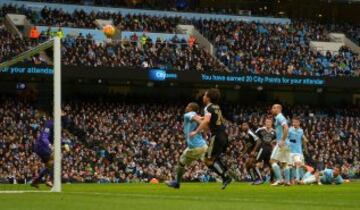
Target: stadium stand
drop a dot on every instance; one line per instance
(173, 55)
(257, 48)
(244, 47)
(131, 141)
(81, 19)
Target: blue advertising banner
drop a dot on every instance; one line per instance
(256, 79)
(27, 70)
(161, 75)
(195, 77)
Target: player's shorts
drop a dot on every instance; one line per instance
(296, 157)
(264, 154)
(193, 154)
(307, 175)
(281, 154)
(45, 157)
(309, 178)
(218, 145)
(44, 154)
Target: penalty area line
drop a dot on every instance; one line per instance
(22, 191)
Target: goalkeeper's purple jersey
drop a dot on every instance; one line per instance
(42, 144)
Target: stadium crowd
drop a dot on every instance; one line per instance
(142, 52)
(80, 19)
(169, 5)
(254, 48)
(258, 48)
(11, 45)
(135, 142)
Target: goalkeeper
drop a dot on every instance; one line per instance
(44, 149)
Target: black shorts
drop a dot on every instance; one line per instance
(218, 145)
(44, 155)
(264, 153)
(45, 158)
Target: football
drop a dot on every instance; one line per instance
(109, 31)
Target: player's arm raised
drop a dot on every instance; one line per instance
(203, 125)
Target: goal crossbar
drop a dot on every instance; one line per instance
(28, 54)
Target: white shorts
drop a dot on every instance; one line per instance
(310, 179)
(191, 155)
(281, 154)
(296, 157)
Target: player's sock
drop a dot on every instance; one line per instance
(292, 174)
(42, 173)
(272, 176)
(297, 174)
(277, 172)
(287, 174)
(51, 173)
(258, 173)
(220, 169)
(252, 174)
(302, 172)
(180, 170)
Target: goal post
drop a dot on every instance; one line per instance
(55, 44)
(57, 115)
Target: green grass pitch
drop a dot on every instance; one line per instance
(191, 196)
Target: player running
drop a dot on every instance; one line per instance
(267, 136)
(219, 139)
(196, 146)
(296, 139)
(250, 140)
(281, 153)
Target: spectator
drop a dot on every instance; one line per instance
(244, 47)
(191, 41)
(173, 55)
(34, 33)
(60, 33)
(131, 142)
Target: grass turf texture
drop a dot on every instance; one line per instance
(194, 196)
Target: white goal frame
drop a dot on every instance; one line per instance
(57, 115)
(56, 44)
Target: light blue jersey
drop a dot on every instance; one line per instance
(280, 120)
(328, 177)
(295, 139)
(189, 126)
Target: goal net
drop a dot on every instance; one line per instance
(25, 127)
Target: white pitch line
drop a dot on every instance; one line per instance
(23, 191)
(196, 198)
